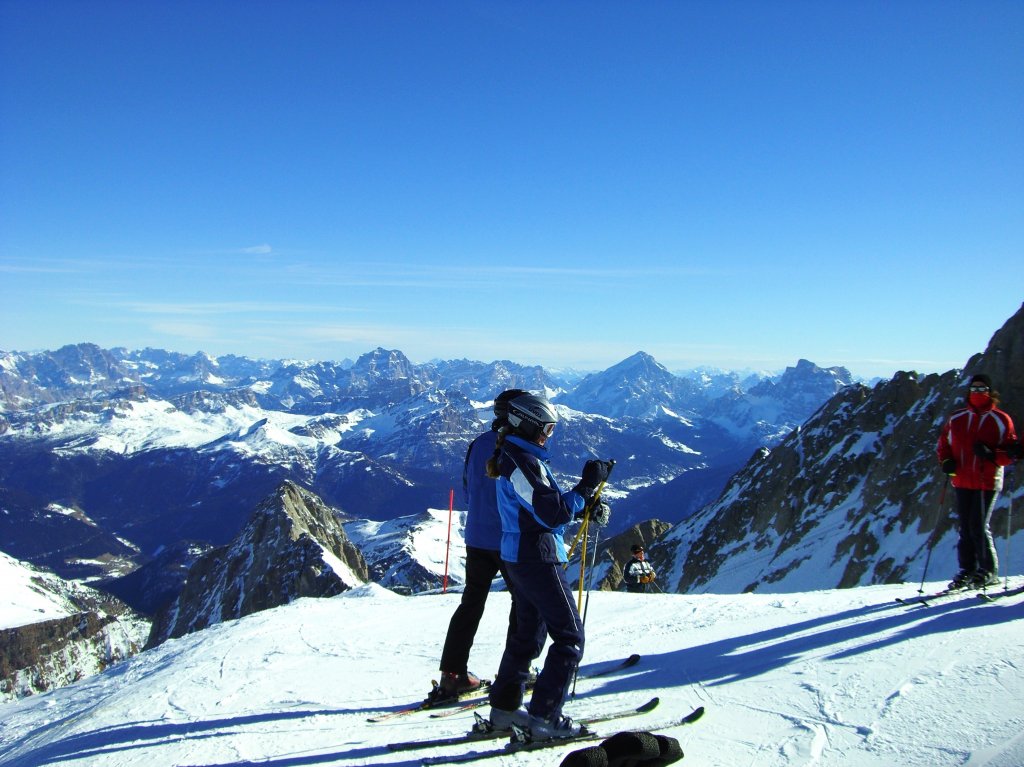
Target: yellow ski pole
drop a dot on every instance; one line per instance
(583, 556)
(584, 530)
(586, 513)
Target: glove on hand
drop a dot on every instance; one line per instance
(984, 451)
(949, 466)
(600, 514)
(1016, 450)
(594, 473)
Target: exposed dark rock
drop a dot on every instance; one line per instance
(836, 493)
(293, 546)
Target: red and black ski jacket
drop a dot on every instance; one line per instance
(962, 431)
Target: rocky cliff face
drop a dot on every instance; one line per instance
(293, 546)
(54, 653)
(853, 497)
(55, 631)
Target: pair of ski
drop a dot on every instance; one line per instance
(625, 663)
(472, 701)
(520, 740)
(992, 596)
(925, 600)
(435, 701)
(483, 730)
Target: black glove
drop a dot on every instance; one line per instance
(600, 514)
(1016, 450)
(984, 451)
(949, 466)
(594, 473)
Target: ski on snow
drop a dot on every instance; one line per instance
(451, 707)
(429, 703)
(632, 660)
(924, 600)
(993, 596)
(482, 729)
(517, 746)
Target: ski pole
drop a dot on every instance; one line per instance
(448, 544)
(586, 607)
(585, 529)
(586, 514)
(590, 575)
(587, 509)
(931, 542)
(1009, 516)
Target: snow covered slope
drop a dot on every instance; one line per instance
(846, 678)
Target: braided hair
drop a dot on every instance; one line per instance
(494, 460)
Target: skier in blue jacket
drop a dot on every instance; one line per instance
(534, 513)
(483, 558)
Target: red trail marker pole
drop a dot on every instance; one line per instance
(448, 545)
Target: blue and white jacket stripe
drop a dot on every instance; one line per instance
(534, 512)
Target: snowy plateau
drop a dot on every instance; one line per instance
(848, 678)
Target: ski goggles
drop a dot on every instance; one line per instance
(547, 429)
(979, 387)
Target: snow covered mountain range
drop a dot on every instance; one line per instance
(109, 457)
(849, 498)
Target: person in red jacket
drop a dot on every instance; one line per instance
(972, 451)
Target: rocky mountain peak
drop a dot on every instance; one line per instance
(1001, 361)
(806, 380)
(638, 386)
(385, 363)
(293, 546)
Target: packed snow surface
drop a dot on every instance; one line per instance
(845, 677)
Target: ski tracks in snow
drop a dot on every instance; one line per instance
(837, 712)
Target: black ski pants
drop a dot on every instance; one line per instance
(481, 567)
(544, 607)
(975, 549)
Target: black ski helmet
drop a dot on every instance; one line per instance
(531, 414)
(501, 403)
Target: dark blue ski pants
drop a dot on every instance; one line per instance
(544, 608)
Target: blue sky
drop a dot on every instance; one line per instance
(736, 184)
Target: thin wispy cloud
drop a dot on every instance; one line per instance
(447, 277)
(18, 269)
(249, 250)
(188, 330)
(231, 307)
